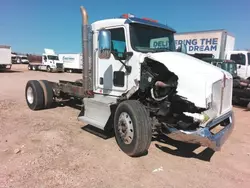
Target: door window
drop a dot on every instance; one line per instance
(118, 48)
(118, 43)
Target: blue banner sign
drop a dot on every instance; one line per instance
(199, 45)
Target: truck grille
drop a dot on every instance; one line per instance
(222, 97)
(59, 65)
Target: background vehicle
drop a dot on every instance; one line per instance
(13, 58)
(211, 43)
(50, 62)
(139, 85)
(218, 44)
(241, 87)
(242, 59)
(227, 65)
(71, 62)
(22, 59)
(5, 57)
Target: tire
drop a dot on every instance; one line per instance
(137, 118)
(34, 68)
(29, 67)
(48, 93)
(248, 106)
(79, 81)
(48, 69)
(34, 95)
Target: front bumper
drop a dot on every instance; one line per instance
(204, 136)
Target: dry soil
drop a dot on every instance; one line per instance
(49, 148)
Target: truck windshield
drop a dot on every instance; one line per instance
(230, 67)
(52, 57)
(24, 58)
(151, 39)
(239, 58)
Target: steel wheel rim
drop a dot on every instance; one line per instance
(30, 95)
(125, 128)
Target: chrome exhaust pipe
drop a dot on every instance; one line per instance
(85, 47)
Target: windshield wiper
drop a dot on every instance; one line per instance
(161, 50)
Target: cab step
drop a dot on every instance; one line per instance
(98, 132)
(97, 111)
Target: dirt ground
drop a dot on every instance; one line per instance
(49, 148)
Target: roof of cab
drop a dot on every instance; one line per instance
(120, 21)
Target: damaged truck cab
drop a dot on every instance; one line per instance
(137, 83)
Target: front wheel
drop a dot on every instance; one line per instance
(48, 69)
(132, 127)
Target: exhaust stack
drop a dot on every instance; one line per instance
(85, 49)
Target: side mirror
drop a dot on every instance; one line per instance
(104, 44)
(182, 48)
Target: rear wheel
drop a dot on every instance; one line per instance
(34, 95)
(133, 131)
(48, 93)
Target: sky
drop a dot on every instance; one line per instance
(29, 26)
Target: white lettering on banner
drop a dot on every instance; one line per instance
(205, 44)
(159, 42)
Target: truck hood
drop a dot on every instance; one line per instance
(195, 77)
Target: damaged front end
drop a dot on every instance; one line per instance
(180, 119)
(212, 135)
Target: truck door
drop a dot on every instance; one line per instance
(241, 62)
(111, 76)
(44, 60)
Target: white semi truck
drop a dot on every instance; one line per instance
(134, 87)
(71, 62)
(242, 59)
(5, 57)
(50, 62)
